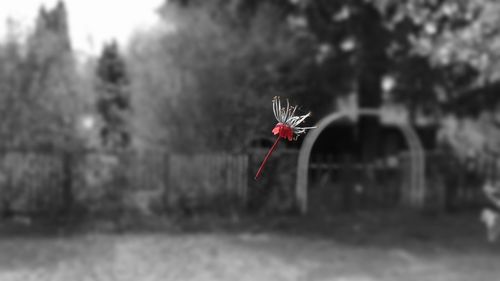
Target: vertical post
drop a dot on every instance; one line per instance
(67, 181)
(166, 178)
(244, 179)
(304, 155)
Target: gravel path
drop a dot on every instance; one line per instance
(222, 257)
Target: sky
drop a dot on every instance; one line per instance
(91, 22)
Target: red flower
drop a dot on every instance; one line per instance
(287, 127)
(283, 131)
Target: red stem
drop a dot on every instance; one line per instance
(259, 172)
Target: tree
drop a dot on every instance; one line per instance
(314, 52)
(355, 40)
(113, 103)
(211, 78)
(39, 97)
(430, 48)
(40, 102)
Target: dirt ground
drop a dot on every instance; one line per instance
(355, 248)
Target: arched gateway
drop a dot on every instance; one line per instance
(414, 197)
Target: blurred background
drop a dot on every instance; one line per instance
(131, 132)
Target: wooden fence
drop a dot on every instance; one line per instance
(455, 184)
(450, 184)
(200, 181)
(38, 182)
(31, 182)
(347, 185)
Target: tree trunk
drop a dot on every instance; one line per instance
(372, 64)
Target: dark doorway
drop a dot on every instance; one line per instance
(340, 181)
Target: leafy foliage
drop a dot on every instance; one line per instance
(113, 102)
(39, 101)
(209, 80)
(214, 64)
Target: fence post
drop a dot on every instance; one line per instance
(67, 181)
(167, 184)
(406, 186)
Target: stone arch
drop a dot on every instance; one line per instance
(416, 193)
